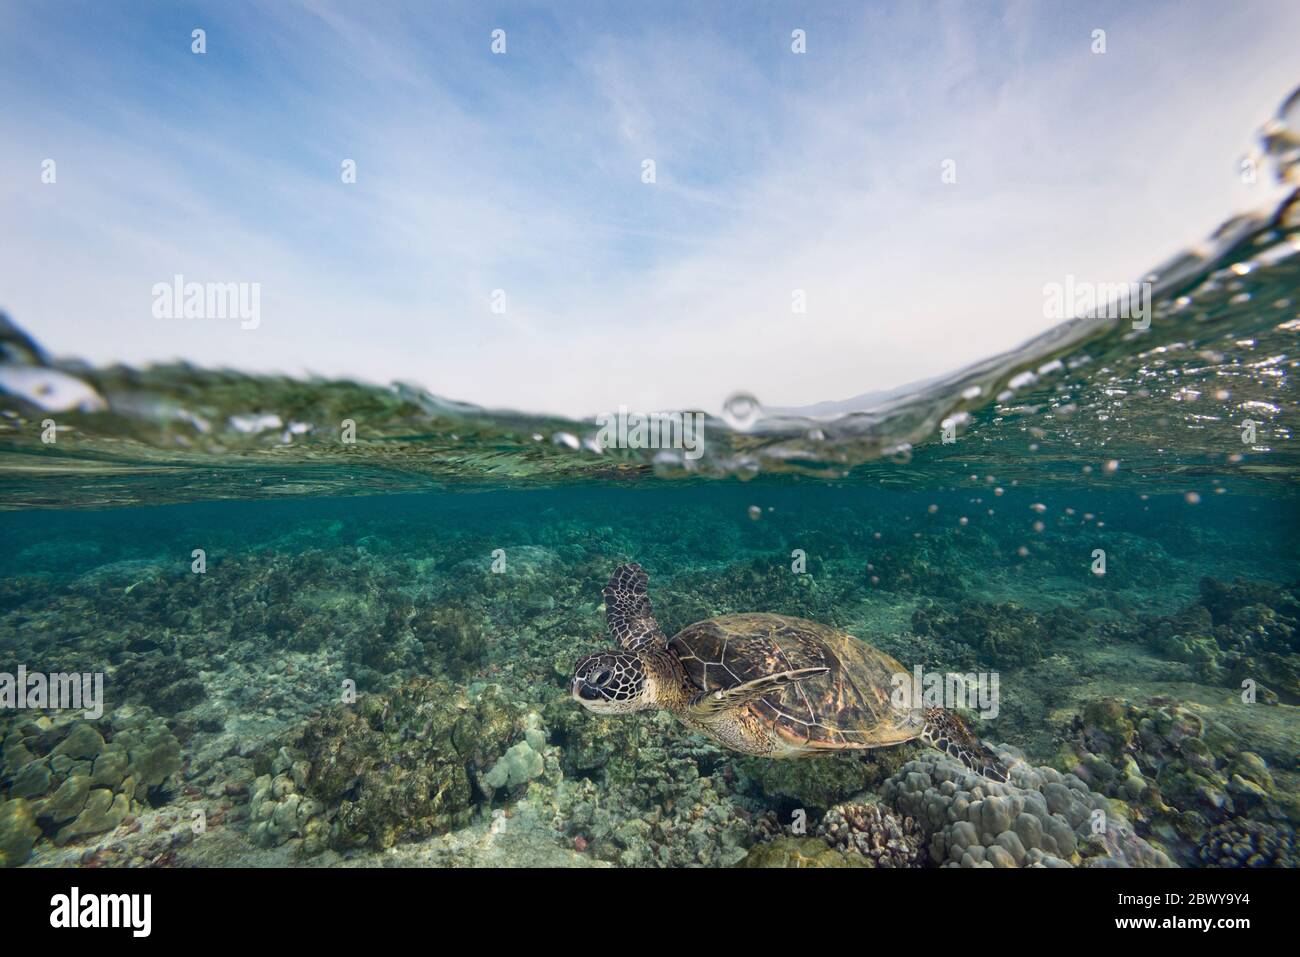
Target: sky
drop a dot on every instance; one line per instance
(524, 172)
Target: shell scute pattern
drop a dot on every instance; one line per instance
(850, 707)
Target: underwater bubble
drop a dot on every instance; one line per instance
(1192, 498)
(900, 454)
(755, 513)
(1112, 466)
(745, 467)
(1023, 551)
(567, 439)
(741, 410)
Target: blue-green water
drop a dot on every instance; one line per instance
(315, 650)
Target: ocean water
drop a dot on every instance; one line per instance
(336, 624)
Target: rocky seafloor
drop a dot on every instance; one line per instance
(370, 692)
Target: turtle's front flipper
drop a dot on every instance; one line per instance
(628, 614)
(714, 702)
(947, 732)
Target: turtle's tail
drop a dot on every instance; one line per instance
(948, 732)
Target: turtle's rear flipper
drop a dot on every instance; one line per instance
(947, 732)
(715, 702)
(628, 614)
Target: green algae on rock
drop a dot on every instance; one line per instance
(1181, 774)
(393, 767)
(800, 852)
(1247, 631)
(72, 778)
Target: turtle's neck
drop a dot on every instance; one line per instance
(673, 689)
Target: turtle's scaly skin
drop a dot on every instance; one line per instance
(848, 709)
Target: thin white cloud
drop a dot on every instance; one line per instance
(774, 174)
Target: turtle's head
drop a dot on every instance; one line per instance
(614, 682)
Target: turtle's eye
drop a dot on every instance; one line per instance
(601, 677)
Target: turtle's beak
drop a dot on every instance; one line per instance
(584, 692)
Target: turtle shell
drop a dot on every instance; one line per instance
(848, 708)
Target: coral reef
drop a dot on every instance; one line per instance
(396, 766)
(464, 746)
(66, 778)
(1180, 774)
(1244, 631)
(167, 684)
(1249, 844)
(800, 852)
(1004, 635)
(818, 784)
(879, 837)
(1041, 818)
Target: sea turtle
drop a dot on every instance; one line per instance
(763, 684)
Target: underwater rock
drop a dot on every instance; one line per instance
(1180, 773)
(1224, 600)
(1041, 818)
(882, 839)
(18, 832)
(165, 683)
(76, 778)
(1245, 631)
(672, 801)
(590, 741)
(521, 764)
(1005, 635)
(392, 767)
(1249, 844)
(800, 852)
(822, 782)
(103, 811)
(742, 587)
(83, 741)
(452, 636)
(279, 811)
